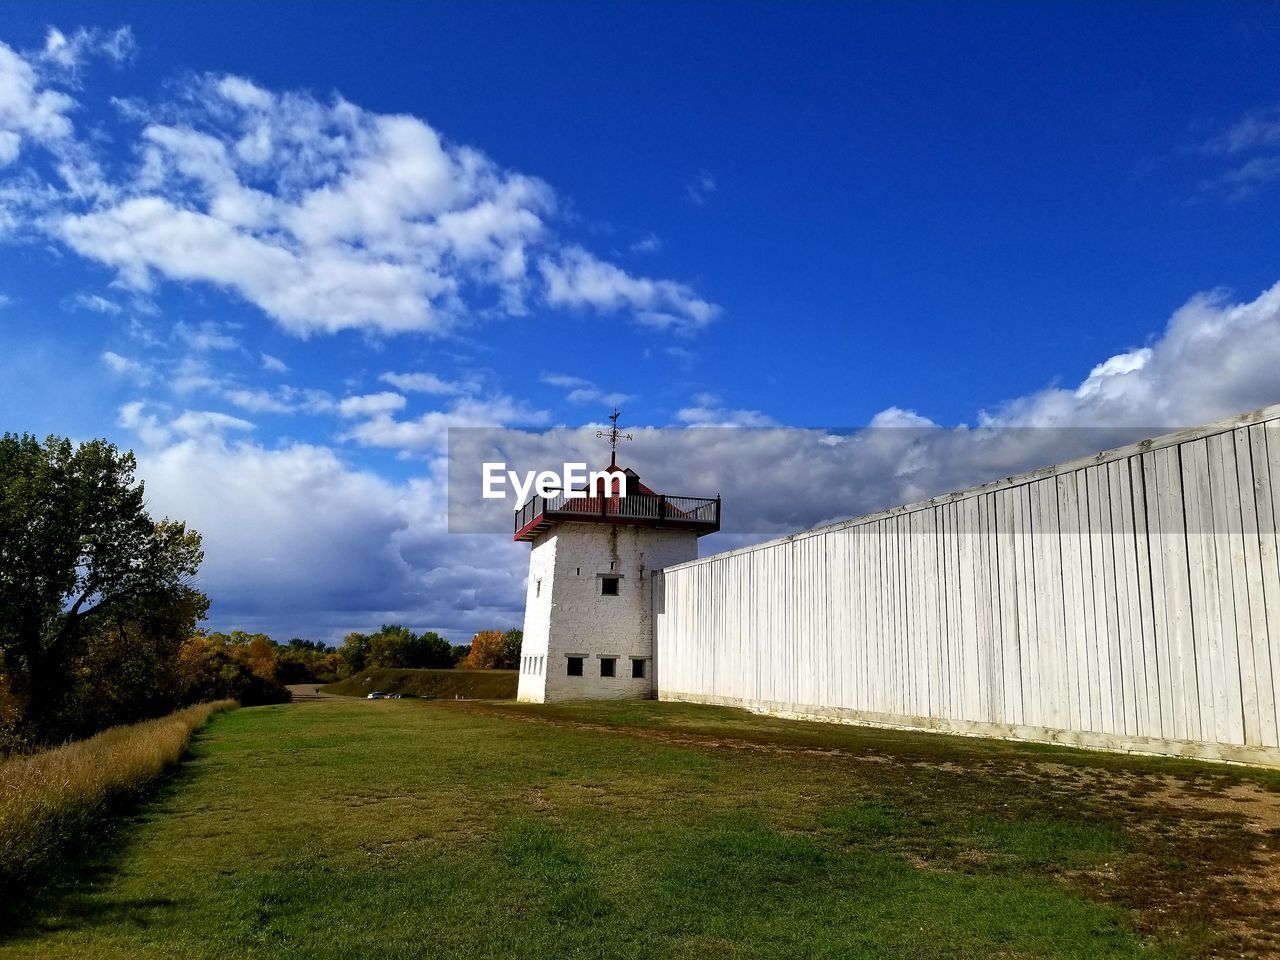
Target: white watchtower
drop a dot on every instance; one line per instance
(588, 617)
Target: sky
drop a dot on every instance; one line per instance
(281, 250)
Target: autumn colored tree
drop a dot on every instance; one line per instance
(494, 650)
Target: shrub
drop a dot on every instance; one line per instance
(51, 800)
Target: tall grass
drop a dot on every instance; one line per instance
(53, 799)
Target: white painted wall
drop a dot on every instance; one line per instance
(1127, 601)
(568, 615)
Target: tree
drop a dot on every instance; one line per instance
(77, 548)
(399, 647)
(355, 651)
(392, 646)
(494, 650)
(509, 654)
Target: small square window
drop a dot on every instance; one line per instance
(609, 586)
(575, 666)
(608, 666)
(637, 669)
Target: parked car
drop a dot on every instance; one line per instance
(376, 695)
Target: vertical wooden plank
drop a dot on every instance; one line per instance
(1258, 693)
(1267, 487)
(1228, 543)
(1206, 605)
(1269, 543)
(1128, 618)
(1150, 720)
(1073, 603)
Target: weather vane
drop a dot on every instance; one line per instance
(614, 436)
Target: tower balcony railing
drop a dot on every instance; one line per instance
(701, 514)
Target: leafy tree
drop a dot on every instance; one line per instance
(355, 651)
(398, 647)
(128, 668)
(494, 650)
(434, 651)
(214, 667)
(77, 550)
(509, 653)
(392, 646)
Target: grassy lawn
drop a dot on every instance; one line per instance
(339, 829)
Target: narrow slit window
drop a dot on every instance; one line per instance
(609, 586)
(575, 666)
(608, 666)
(537, 588)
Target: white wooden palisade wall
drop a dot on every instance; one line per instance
(1128, 601)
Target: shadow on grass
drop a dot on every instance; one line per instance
(65, 894)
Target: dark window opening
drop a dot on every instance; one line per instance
(575, 666)
(609, 586)
(537, 592)
(637, 669)
(608, 666)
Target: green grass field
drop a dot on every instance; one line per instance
(441, 684)
(339, 829)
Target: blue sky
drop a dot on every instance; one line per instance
(280, 249)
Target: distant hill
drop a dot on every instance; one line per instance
(442, 684)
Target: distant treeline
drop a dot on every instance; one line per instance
(397, 647)
(99, 620)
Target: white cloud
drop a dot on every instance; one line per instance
(300, 543)
(97, 303)
(125, 366)
(70, 52)
(576, 278)
(28, 110)
(584, 391)
(429, 430)
(202, 423)
(707, 411)
(205, 336)
(426, 383)
(328, 217)
(274, 364)
(371, 404)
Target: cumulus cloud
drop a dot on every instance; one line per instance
(29, 111)
(576, 278)
(273, 364)
(427, 383)
(324, 215)
(429, 430)
(371, 404)
(299, 542)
